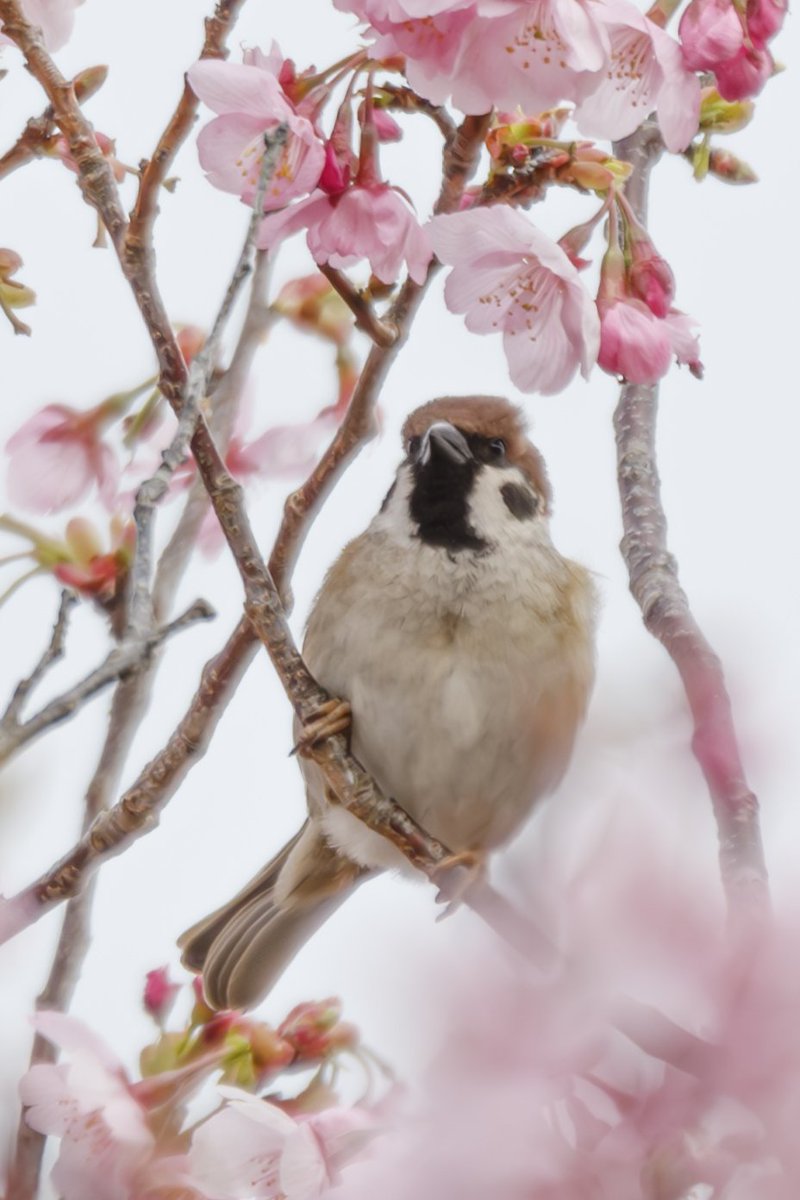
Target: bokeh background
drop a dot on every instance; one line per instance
(728, 453)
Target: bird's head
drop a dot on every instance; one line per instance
(470, 476)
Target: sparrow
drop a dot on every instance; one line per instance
(464, 644)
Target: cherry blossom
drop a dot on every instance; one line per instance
(634, 343)
(56, 457)
(533, 56)
(55, 18)
(250, 102)
(370, 221)
(252, 1148)
(510, 278)
(646, 72)
(88, 1103)
(159, 994)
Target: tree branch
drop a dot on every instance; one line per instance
(367, 320)
(53, 653)
(154, 172)
(122, 660)
(654, 582)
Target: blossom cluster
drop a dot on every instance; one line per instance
(119, 1139)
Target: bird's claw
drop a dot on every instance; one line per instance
(461, 874)
(331, 717)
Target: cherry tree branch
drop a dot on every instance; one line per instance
(39, 132)
(122, 660)
(367, 320)
(54, 651)
(154, 171)
(655, 584)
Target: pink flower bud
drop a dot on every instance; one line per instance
(335, 173)
(764, 19)
(190, 339)
(386, 127)
(710, 32)
(729, 168)
(159, 994)
(314, 1029)
(745, 74)
(651, 279)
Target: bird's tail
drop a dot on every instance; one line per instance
(243, 948)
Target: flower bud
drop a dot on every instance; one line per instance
(88, 81)
(314, 1029)
(729, 168)
(314, 306)
(159, 994)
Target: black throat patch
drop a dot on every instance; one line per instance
(439, 504)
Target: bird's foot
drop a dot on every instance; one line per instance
(457, 876)
(330, 718)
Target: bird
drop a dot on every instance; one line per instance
(459, 644)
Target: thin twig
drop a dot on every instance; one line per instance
(367, 320)
(152, 491)
(37, 137)
(403, 99)
(121, 661)
(54, 651)
(655, 584)
(154, 172)
(224, 399)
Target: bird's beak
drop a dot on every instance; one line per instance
(445, 441)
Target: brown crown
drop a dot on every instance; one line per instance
(489, 417)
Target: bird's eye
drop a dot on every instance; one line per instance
(413, 446)
(497, 447)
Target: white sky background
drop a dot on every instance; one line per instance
(728, 454)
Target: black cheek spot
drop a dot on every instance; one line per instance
(521, 503)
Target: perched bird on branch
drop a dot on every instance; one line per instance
(462, 643)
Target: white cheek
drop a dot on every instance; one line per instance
(490, 517)
(395, 519)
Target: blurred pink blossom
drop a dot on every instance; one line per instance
(372, 222)
(253, 1149)
(509, 277)
(685, 342)
(645, 72)
(89, 1104)
(55, 18)
(57, 455)
(250, 102)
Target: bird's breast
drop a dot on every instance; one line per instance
(465, 699)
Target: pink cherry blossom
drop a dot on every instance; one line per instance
(57, 456)
(369, 221)
(250, 102)
(534, 56)
(510, 278)
(486, 53)
(685, 342)
(634, 343)
(711, 32)
(55, 18)
(251, 1148)
(646, 72)
(88, 1103)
